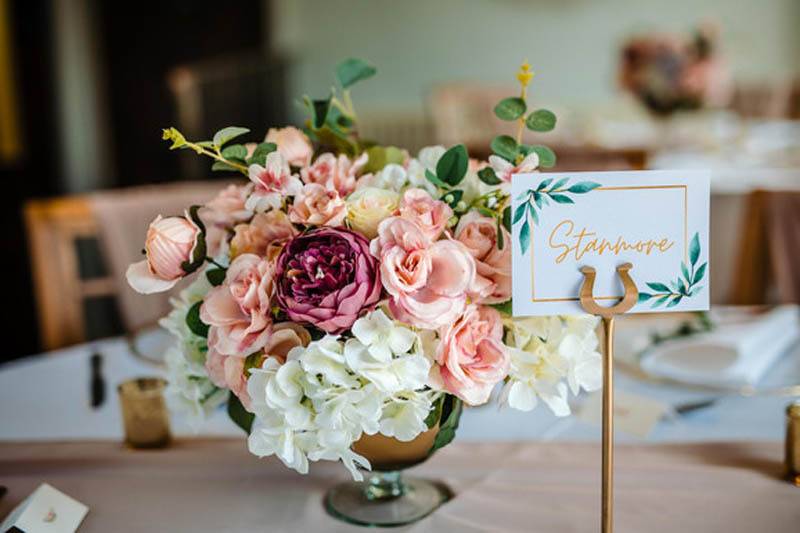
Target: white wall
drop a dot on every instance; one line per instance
(572, 44)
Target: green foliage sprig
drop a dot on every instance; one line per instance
(685, 286)
(227, 157)
(514, 108)
(332, 120)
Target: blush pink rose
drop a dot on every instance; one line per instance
(430, 215)
(169, 246)
(222, 213)
(238, 310)
(427, 281)
(318, 206)
(265, 229)
(471, 357)
(335, 173)
(228, 371)
(292, 144)
(272, 183)
(479, 235)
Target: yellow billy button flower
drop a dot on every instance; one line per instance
(525, 74)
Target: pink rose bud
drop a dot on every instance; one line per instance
(170, 243)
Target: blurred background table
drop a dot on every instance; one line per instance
(48, 399)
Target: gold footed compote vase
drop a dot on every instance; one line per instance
(386, 498)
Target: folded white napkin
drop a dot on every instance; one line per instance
(733, 354)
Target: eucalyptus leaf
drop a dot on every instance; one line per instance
(353, 70)
(507, 218)
(543, 185)
(436, 181)
(452, 166)
(488, 176)
(547, 158)
(541, 120)
(643, 296)
(510, 108)
(505, 146)
(227, 134)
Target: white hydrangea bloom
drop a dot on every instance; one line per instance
(189, 390)
(548, 354)
(381, 353)
(404, 414)
(330, 393)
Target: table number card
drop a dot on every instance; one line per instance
(656, 220)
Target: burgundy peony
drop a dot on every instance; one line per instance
(327, 278)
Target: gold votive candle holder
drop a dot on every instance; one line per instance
(793, 443)
(144, 413)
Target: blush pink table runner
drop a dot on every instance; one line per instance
(215, 485)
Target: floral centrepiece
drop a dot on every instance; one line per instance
(349, 289)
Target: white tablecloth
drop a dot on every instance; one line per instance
(46, 397)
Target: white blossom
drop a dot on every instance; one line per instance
(551, 356)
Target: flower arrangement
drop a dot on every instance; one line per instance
(349, 289)
(668, 72)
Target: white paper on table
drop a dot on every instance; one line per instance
(656, 220)
(733, 354)
(633, 413)
(46, 510)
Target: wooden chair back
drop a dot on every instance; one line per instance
(61, 234)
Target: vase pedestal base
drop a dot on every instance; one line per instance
(385, 499)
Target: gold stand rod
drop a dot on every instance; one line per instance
(608, 426)
(607, 314)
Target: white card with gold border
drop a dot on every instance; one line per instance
(656, 220)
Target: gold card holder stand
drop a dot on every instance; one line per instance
(607, 314)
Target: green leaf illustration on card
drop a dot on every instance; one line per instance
(539, 197)
(686, 285)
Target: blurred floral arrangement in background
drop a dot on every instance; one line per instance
(672, 72)
(349, 289)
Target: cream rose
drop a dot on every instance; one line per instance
(367, 207)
